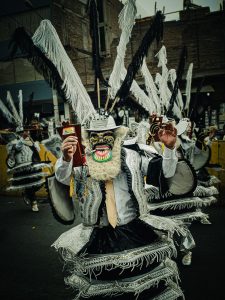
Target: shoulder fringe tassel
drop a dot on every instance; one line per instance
(164, 224)
(180, 204)
(193, 216)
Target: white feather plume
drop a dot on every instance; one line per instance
(162, 79)
(150, 86)
(163, 90)
(126, 23)
(6, 113)
(177, 111)
(20, 97)
(162, 60)
(139, 94)
(179, 99)
(12, 107)
(47, 40)
(188, 86)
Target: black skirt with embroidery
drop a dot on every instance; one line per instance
(108, 240)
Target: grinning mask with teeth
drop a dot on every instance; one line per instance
(102, 144)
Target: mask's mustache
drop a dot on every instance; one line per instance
(99, 145)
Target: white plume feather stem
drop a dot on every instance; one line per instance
(126, 23)
(47, 40)
(139, 94)
(142, 98)
(150, 86)
(162, 60)
(179, 99)
(20, 97)
(6, 113)
(177, 111)
(163, 89)
(188, 86)
(12, 107)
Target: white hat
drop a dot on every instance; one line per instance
(102, 123)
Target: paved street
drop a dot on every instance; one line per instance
(30, 268)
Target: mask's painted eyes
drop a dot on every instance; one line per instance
(93, 139)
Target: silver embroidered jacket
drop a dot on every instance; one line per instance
(129, 190)
(20, 152)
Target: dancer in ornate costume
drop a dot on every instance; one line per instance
(186, 207)
(23, 161)
(116, 249)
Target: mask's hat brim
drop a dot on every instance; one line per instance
(102, 124)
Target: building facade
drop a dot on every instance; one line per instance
(199, 29)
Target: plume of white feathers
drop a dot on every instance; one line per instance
(20, 97)
(47, 40)
(151, 87)
(126, 23)
(6, 113)
(179, 99)
(12, 107)
(161, 79)
(188, 86)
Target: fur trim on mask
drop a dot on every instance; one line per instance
(110, 169)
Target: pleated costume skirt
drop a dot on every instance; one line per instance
(126, 262)
(27, 176)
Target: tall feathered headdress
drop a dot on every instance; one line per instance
(10, 112)
(154, 32)
(126, 22)
(151, 87)
(180, 71)
(119, 72)
(48, 56)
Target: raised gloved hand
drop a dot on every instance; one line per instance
(168, 135)
(69, 147)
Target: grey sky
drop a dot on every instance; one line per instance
(145, 8)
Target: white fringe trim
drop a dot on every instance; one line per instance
(189, 217)
(165, 224)
(202, 191)
(94, 264)
(28, 167)
(25, 186)
(164, 272)
(73, 239)
(35, 175)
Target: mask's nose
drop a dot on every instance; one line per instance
(101, 139)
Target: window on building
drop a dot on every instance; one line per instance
(100, 11)
(102, 31)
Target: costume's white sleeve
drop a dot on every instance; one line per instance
(169, 162)
(63, 170)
